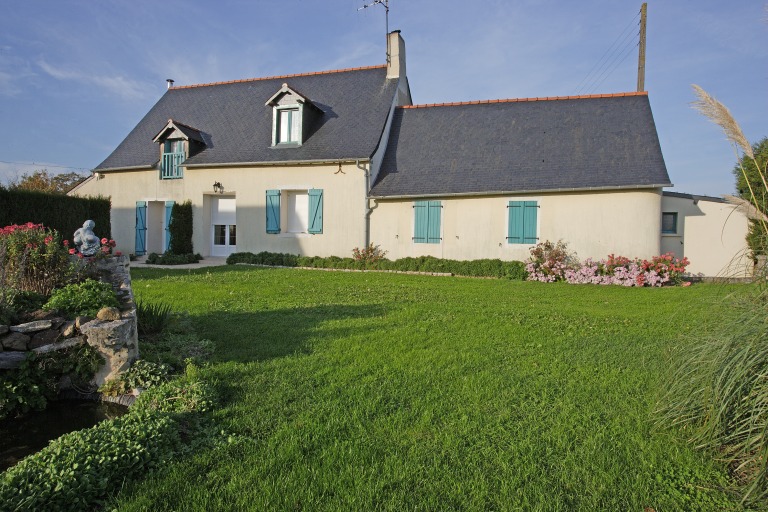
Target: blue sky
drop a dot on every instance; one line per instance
(77, 76)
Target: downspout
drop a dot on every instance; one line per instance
(368, 208)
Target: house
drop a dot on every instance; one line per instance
(710, 231)
(321, 163)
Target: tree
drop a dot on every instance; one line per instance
(750, 184)
(42, 181)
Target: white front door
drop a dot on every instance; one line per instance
(223, 226)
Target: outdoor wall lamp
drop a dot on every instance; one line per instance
(218, 187)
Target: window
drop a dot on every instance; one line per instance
(669, 223)
(295, 211)
(224, 234)
(427, 222)
(288, 126)
(522, 222)
(173, 155)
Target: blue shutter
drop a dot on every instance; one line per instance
(273, 211)
(421, 222)
(168, 210)
(141, 228)
(315, 211)
(530, 215)
(515, 225)
(522, 225)
(433, 224)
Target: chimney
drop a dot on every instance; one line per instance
(395, 55)
(169, 82)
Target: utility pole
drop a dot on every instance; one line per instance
(641, 54)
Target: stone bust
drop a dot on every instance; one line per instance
(86, 241)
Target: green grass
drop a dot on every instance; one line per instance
(390, 392)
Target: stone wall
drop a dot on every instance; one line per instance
(113, 332)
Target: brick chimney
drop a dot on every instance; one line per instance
(395, 55)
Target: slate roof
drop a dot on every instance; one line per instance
(236, 126)
(513, 146)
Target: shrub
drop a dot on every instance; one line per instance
(172, 259)
(33, 258)
(369, 255)
(79, 468)
(62, 213)
(549, 261)
(142, 374)
(619, 270)
(180, 230)
(84, 298)
(474, 268)
(152, 318)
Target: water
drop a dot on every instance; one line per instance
(32, 432)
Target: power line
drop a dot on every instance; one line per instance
(608, 56)
(608, 72)
(47, 165)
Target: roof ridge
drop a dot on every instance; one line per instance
(520, 100)
(278, 76)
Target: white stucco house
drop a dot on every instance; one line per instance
(320, 163)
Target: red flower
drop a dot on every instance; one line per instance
(118, 253)
(71, 251)
(66, 243)
(104, 240)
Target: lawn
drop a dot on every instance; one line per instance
(371, 391)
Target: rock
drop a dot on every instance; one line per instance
(116, 341)
(57, 322)
(16, 341)
(68, 329)
(3, 329)
(79, 321)
(77, 340)
(10, 360)
(37, 325)
(108, 314)
(43, 338)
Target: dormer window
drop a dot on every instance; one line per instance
(173, 155)
(178, 142)
(289, 126)
(293, 117)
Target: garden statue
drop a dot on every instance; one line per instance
(86, 241)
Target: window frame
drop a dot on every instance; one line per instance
(295, 127)
(676, 217)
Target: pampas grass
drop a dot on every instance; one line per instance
(718, 389)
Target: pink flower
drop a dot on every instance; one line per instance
(71, 251)
(66, 243)
(105, 249)
(104, 240)
(118, 253)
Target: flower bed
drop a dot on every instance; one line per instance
(551, 262)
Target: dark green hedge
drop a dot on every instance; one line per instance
(172, 259)
(475, 268)
(63, 213)
(180, 229)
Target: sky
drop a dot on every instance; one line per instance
(77, 76)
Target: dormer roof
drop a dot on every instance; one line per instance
(289, 91)
(176, 130)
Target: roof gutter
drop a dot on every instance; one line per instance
(531, 191)
(280, 162)
(130, 168)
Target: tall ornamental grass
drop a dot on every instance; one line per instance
(718, 391)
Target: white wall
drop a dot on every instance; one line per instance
(343, 205)
(711, 235)
(594, 224)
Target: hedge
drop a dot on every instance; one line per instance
(180, 229)
(474, 268)
(63, 213)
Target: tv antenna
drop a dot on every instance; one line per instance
(385, 3)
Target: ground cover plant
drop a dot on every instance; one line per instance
(349, 391)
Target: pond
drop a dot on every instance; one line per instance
(32, 432)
